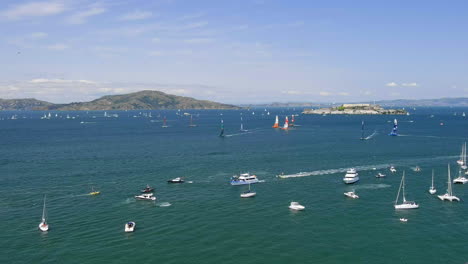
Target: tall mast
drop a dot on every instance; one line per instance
(432, 186)
(43, 210)
(399, 188)
(404, 198)
(449, 185)
(362, 129)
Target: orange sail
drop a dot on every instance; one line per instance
(276, 125)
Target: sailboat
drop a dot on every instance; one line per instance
(242, 127)
(292, 121)
(43, 226)
(395, 129)
(286, 124)
(405, 204)
(164, 123)
(460, 179)
(248, 193)
(221, 133)
(276, 125)
(462, 160)
(432, 190)
(191, 122)
(362, 131)
(449, 194)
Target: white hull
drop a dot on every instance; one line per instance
(296, 206)
(146, 196)
(407, 206)
(447, 197)
(460, 180)
(351, 195)
(242, 182)
(403, 220)
(248, 195)
(43, 227)
(128, 228)
(350, 180)
(432, 191)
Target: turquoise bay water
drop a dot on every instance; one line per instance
(207, 221)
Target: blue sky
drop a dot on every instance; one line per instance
(250, 51)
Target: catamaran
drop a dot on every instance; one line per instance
(43, 226)
(243, 178)
(460, 179)
(432, 190)
(276, 125)
(395, 129)
(449, 194)
(286, 124)
(405, 204)
(462, 160)
(164, 123)
(242, 127)
(221, 133)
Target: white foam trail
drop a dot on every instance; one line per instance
(372, 186)
(372, 135)
(365, 167)
(164, 204)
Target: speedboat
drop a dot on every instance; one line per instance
(296, 206)
(176, 180)
(380, 175)
(351, 176)
(392, 169)
(417, 169)
(351, 195)
(146, 196)
(93, 192)
(403, 220)
(130, 227)
(148, 189)
(244, 178)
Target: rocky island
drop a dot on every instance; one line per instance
(355, 109)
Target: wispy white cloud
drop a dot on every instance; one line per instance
(155, 40)
(38, 35)
(198, 40)
(391, 84)
(325, 93)
(291, 92)
(33, 9)
(197, 24)
(136, 15)
(58, 46)
(82, 16)
(45, 80)
(343, 93)
(156, 53)
(412, 84)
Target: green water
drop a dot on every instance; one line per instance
(207, 221)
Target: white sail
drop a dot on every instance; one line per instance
(286, 123)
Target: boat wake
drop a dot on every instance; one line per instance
(371, 135)
(164, 204)
(372, 186)
(366, 167)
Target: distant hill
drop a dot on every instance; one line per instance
(144, 100)
(23, 104)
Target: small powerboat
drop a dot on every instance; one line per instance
(145, 196)
(93, 192)
(148, 189)
(380, 175)
(176, 180)
(296, 206)
(129, 227)
(403, 220)
(351, 195)
(417, 169)
(392, 169)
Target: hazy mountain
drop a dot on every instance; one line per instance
(132, 101)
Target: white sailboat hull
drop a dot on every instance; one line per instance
(447, 197)
(460, 180)
(129, 228)
(248, 195)
(43, 227)
(406, 206)
(432, 190)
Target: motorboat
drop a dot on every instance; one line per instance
(296, 206)
(147, 189)
(176, 180)
(243, 178)
(380, 175)
(449, 194)
(146, 196)
(417, 169)
(351, 176)
(405, 204)
(403, 220)
(392, 169)
(247, 194)
(130, 227)
(43, 226)
(351, 195)
(93, 192)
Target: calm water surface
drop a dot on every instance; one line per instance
(207, 221)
